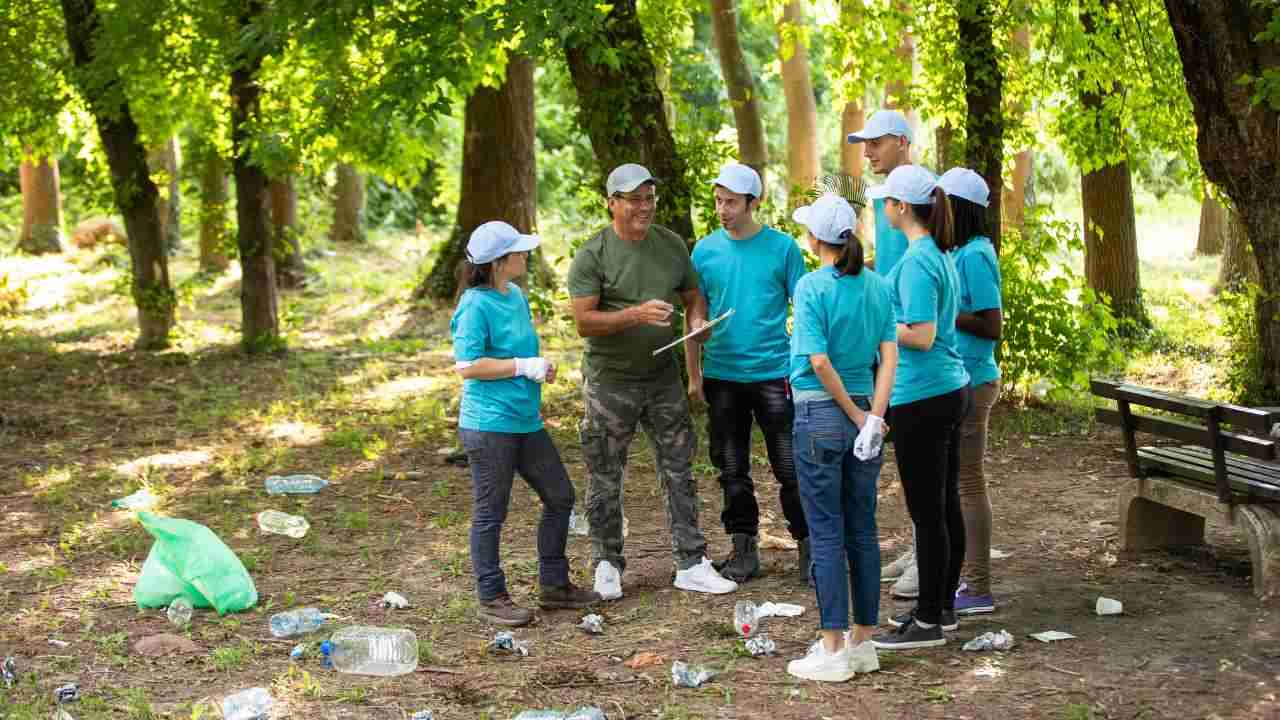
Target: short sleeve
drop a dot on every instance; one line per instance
(794, 266)
(918, 292)
(982, 279)
(809, 332)
(584, 272)
(470, 331)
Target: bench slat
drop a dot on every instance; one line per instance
(1188, 433)
(1156, 459)
(1236, 465)
(1151, 398)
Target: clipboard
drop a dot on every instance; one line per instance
(679, 340)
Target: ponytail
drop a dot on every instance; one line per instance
(936, 217)
(850, 260)
(479, 275)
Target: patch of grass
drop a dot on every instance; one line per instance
(717, 630)
(230, 657)
(448, 519)
(938, 695)
(1077, 711)
(354, 696)
(353, 520)
(136, 705)
(456, 564)
(460, 608)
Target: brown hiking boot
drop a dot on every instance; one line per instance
(567, 596)
(502, 611)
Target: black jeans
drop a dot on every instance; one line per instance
(926, 438)
(494, 458)
(732, 406)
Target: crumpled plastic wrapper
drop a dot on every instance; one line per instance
(990, 641)
(593, 624)
(9, 670)
(67, 693)
(394, 601)
(505, 642)
(761, 645)
(423, 715)
(683, 675)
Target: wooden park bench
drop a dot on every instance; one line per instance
(1218, 471)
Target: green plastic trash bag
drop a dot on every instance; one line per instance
(188, 559)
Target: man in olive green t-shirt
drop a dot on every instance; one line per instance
(624, 281)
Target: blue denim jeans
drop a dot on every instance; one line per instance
(494, 458)
(838, 492)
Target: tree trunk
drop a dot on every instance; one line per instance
(499, 171)
(895, 92)
(803, 161)
(944, 146)
(1220, 42)
(852, 118)
(1111, 240)
(259, 312)
(1212, 239)
(1014, 202)
(164, 164)
(614, 75)
(214, 196)
(135, 195)
(348, 206)
(41, 207)
(1238, 263)
(291, 271)
(984, 97)
(753, 149)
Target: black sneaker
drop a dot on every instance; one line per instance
(949, 621)
(909, 636)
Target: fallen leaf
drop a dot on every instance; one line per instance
(773, 542)
(165, 644)
(644, 660)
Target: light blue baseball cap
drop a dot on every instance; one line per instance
(967, 184)
(494, 239)
(884, 122)
(910, 184)
(827, 218)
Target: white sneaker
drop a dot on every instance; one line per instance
(703, 578)
(608, 581)
(908, 586)
(823, 666)
(863, 657)
(894, 570)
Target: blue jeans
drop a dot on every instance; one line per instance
(838, 492)
(494, 458)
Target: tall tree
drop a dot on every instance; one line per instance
(1239, 266)
(214, 195)
(1014, 200)
(1212, 236)
(165, 163)
(498, 170)
(1230, 52)
(897, 91)
(753, 149)
(614, 74)
(348, 205)
(41, 206)
(803, 164)
(291, 270)
(984, 97)
(852, 117)
(102, 85)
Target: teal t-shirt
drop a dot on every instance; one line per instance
(846, 317)
(891, 243)
(979, 274)
(756, 277)
(926, 289)
(490, 324)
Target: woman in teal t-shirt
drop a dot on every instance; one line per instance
(978, 326)
(930, 399)
(500, 425)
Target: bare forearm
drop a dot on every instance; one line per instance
(595, 323)
(917, 337)
(489, 369)
(885, 373)
(986, 324)
(834, 386)
(693, 359)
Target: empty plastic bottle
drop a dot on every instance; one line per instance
(251, 704)
(140, 500)
(179, 611)
(587, 713)
(363, 650)
(279, 523)
(297, 622)
(746, 618)
(295, 484)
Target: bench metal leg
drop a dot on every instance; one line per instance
(1148, 524)
(1261, 525)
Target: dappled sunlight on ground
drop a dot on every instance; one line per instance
(296, 433)
(143, 466)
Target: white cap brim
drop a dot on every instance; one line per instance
(857, 137)
(526, 242)
(801, 215)
(878, 192)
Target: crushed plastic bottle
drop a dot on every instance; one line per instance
(9, 670)
(587, 712)
(179, 612)
(326, 654)
(608, 581)
(593, 624)
(683, 675)
(364, 650)
(295, 484)
(67, 693)
(252, 704)
(761, 645)
(505, 642)
(394, 601)
(746, 618)
(990, 641)
(279, 523)
(423, 715)
(140, 500)
(297, 622)
(298, 651)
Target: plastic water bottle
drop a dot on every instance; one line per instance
(295, 484)
(746, 618)
(587, 713)
(140, 500)
(250, 704)
(279, 523)
(179, 611)
(540, 715)
(363, 650)
(296, 622)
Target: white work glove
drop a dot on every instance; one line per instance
(870, 438)
(534, 368)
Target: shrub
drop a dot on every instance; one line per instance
(1244, 378)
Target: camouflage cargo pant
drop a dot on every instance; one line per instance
(612, 413)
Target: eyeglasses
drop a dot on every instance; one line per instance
(638, 199)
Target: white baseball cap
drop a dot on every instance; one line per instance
(828, 217)
(494, 239)
(739, 178)
(967, 184)
(626, 178)
(910, 184)
(884, 122)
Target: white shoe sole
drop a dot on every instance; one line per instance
(910, 645)
(690, 587)
(829, 675)
(905, 594)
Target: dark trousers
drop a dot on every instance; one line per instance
(494, 458)
(926, 437)
(732, 407)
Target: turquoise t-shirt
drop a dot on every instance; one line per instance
(891, 243)
(846, 317)
(755, 276)
(979, 273)
(926, 289)
(489, 324)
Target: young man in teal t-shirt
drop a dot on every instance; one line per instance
(741, 370)
(886, 141)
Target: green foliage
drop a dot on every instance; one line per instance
(1055, 328)
(13, 296)
(1266, 86)
(1244, 376)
